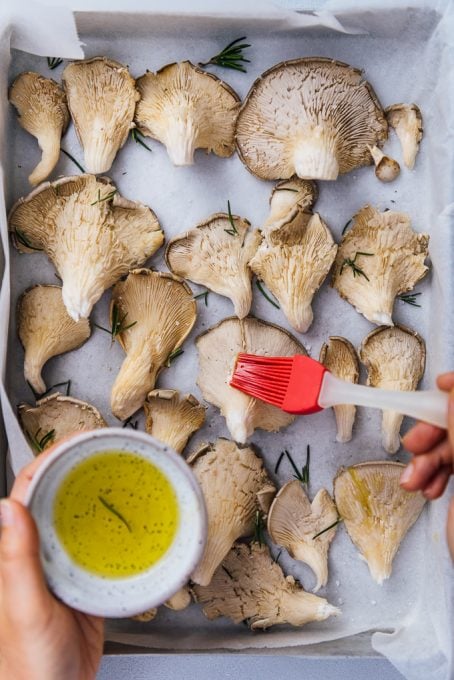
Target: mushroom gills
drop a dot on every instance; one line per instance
(173, 418)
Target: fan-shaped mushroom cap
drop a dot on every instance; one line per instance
(172, 418)
(230, 478)
(42, 111)
(406, 119)
(215, 256)
(218, 348)
(386, 168)
(60, 415)
(293, 261)
(377, 512)
(46, 330)
(163, 311)
(180, 600)
(390, 256)
(250, 586)
(288, 196)
(313, 117)
(395, 359)
(293, 521)
(102, 99)
(339, 356)
(92, 235)
(186, 109)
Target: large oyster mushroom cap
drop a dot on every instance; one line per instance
(288, 196)
(313, 117)
(377, 512)
(395, 360)
(293, 521)
(406, 119)
(42, 111)
(92, 235)
(186, 109)
(45, 330)
(163, 311)
(249, 586)
(231, 479)
(102, 99)
(218, 348)
(215, 256)
(390, 255)
(173, 418)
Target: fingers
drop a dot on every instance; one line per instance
(434, 489)
(424, 467)
(422, 438)
(445, 381)
(25, 476)
(451, 420)
(450, 528)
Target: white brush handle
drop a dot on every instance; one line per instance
(428, 405)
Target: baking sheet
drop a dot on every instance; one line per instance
(415, 604)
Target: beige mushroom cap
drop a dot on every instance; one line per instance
(102, 99)
(395, 359)
(163, 311)
(230, 478)
(288, 196)
(406, 119)
(250, 586)
(186, 109)
(46, 330)
(386, 168)
(172, 418)
(293, 521)
(377, 512)
(59, 415)
(390, 255)
(180, 600)
(313, 117)
(91, 234)
(42, 111)
(218, 348)
(340, 357)
(215, 256)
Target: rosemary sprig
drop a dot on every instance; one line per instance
(265, 294)
(346, 226)
(305, 471)
(23, 240)
(115, 512)
(60, 384)
(71, 158)
(233, 231)
(276, 559)
(128, 423)
(357, 271)
(107, 197)
(38, 442)
(203, 295)
(279, 461)
(173, 355)
(227, 571)
(302, 476)
(54, 62)
(117, 323)
(334, 524)
(137, 136)
(231, 56)
(410, 299)
(295, 191)
(259, 528)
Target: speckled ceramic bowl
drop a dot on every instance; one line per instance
(125, 596)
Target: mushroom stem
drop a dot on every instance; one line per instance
(315, 154)
(301, 607)
(391, 423)
(32, 371)
(216, 548)
(345, 419)
(99, 154)
(135, 379)
(180, 139)
(49, 143)
(386, 168)
(299, 316)
(239, 423)
(316, 558)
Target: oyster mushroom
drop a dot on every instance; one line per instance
(249, 586)
(186, 109)
(46, 330)
(313, 117)
(379, 258)
(162, 312)
(102, 99)
(218, 348)
(339, 356)
(293, 261)
(216, 254)
(294, 521)
(230, 478)
(377, 512)
(288, 196)
(386, 168)
(55, 417)
(42, 111)
(395, 359)
(180, 600)
(91, 234)
(172, 418)
(406, 119)
(146, 616)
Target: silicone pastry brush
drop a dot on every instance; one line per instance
(302, 385)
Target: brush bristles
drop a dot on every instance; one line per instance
(264, 378)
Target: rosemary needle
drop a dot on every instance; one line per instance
(233, 231)
(334, 524)
(71, 158)
(173, 355)
(265, 294)
(54, 62)
(115, 512)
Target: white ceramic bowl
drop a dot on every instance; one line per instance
(126, 596)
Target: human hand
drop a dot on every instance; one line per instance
(40, 637)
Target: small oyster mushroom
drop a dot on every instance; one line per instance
(230, 478)
(395, 359)
(406, 119)
(91, 234)
(42, 111)
(55, 417)
(172, 418)
(340, 357)
(180, 600)
(288, 196)
(249, 586)
(377, 512)
(146, 616)
(386, 168)
(216, 254)
(46, 330)
(186, 109)
(293, 261)
(379, 258)
(294, 521)
(102, 99)
(218, 348)
(162, 311)
(322, 118)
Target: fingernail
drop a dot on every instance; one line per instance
(407, 474)
(6, 513)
